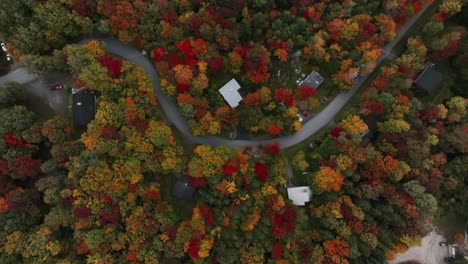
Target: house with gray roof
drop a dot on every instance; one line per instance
(430, 79)
(230, 92)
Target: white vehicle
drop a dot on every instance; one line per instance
(299, 117)
(4, 48)
(8, 58)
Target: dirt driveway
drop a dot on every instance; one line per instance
(428, 253)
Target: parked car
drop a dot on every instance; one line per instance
(8, 58)
(4, 48)
(55, 87)
(304, 113)
(452, 251)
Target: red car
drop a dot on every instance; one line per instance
(55, 87)
(304, 113)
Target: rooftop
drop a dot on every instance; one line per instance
(429, 80)
(84, 107)
(182, 190)
(300, 195)
(230, 93)
(313, 80)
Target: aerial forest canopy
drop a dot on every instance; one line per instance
(390, 162)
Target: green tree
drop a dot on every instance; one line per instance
(15, 119)
(12, 93)
(425, 202)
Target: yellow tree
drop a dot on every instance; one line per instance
(353, 125)
(327, 179)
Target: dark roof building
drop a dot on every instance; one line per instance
(84, 107)
(182, 189)
(429, 80)
(313, 80)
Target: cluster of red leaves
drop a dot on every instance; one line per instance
(416, 6)
(110, 132)
(25, 166)
(132, 256)
(82, 212)
(282, 224)
(194, 247)
(199, 47)
(380, 83)
(139, 41)
(335, 132)
(368, 29)
(228, 169)
(257, 69)
(305, 92)
(207, 213)
(182, 88)
(113, 65)
(152, 194)
(277, 252)
(187, 56)
(273, 148)
(336, 247)
(4, 170)
(109, 215)
(243, 51)
(274, 129)
(185, 48)
(12, 141)
(159, 54)
(429, 114)
(440, 16)
(449, 51)
(279, 44)
(216, 64)
(284, 96)
(356, 226)
(369, 107)
(310, 13)
(132, 187)
(84, 7)
(261, 170)
(197, 182)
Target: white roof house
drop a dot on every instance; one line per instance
(299, 195)
(230, 93)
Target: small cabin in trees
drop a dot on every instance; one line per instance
(182, 189)
(230, 92)
(313, 80)
(84, 107)
(429, 80)
(300, 195)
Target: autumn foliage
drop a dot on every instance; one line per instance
(328, 179)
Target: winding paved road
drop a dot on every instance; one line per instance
(170, 108)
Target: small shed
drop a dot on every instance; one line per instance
(230, 93)
(84, 107)
(299, 195)
(182, 189)
(313, 80)
(429, 80)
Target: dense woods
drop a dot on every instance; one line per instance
(103, 194)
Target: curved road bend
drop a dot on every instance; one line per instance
(170, 108)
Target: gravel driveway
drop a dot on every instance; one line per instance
(428, 253)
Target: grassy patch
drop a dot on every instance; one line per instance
(450, 223)
(291, 151)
